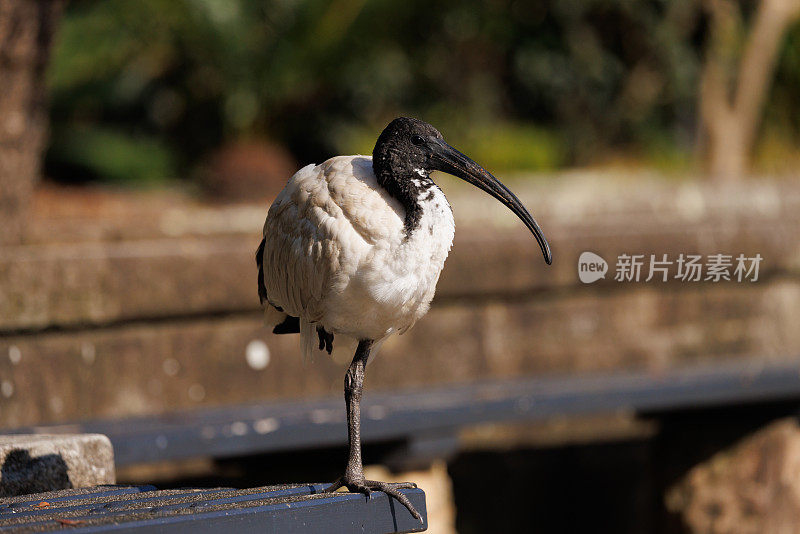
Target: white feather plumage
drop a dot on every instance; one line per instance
(337, 255)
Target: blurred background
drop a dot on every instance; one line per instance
(148, 92)
(142, 141)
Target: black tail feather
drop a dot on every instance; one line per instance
(262, 289)
(290, 325)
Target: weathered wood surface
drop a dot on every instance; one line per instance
(153, 368)
(99, 283)
(104, 317)
(191, 260)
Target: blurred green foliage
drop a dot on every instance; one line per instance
(146, 89)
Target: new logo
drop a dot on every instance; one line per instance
(591, 267)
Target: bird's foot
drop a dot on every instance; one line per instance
(368, 486)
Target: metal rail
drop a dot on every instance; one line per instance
(285, 509)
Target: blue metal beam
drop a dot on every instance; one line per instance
(277, 509)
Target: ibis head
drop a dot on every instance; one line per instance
(409, 149)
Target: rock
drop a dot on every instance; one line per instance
(751, 487)
(39, 463)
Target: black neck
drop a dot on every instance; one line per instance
(403, 184)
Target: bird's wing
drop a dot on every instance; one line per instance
(370, 210)
(320, 229)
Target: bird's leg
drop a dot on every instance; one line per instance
(353, 478)
(353, 388)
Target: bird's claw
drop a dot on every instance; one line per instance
(368, 486)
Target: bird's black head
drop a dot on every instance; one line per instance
(403, 149)
(408, 150)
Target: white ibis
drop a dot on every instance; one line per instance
(352, 251)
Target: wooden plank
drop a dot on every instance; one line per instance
(72, 285)
(144, 369)
(96, 283)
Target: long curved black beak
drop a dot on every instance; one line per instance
(447, 159)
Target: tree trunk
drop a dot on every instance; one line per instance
(26, 28)
(732, 97)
